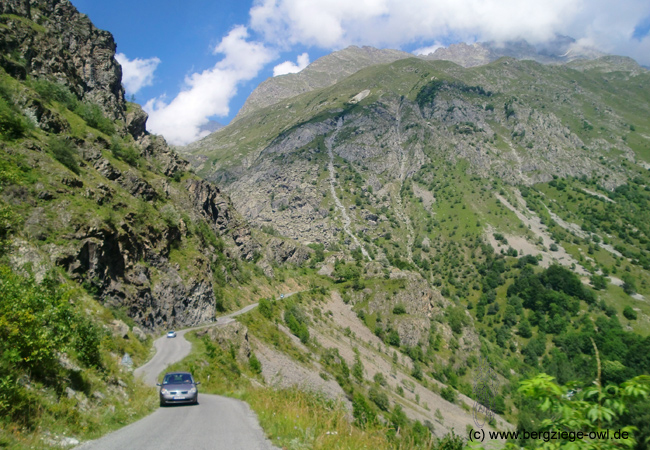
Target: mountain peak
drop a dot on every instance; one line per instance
(323, 72)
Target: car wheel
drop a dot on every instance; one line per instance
(162, 403)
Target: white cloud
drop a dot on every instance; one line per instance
(290, 67)
(136, 73)
(208, 93)
(332, 24)
(427, 50)
(337, 23)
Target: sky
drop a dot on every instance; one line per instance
(193, 61)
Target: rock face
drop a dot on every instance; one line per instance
(232, 336)
(216, 208)
(119, 265)
(64, 45)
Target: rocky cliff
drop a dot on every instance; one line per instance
(95, 194)
(52, 39)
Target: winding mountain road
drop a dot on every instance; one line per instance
(216, 423)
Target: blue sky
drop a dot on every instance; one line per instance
(192, 60)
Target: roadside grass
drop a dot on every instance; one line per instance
(293, 419)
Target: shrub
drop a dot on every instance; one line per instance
(126, 153)
(297, 323)
(599, 282)
(362, 411)
(94, 117)
(39, 321)
(266, 308)
(379, 398)
(357, 368)
(380, 379)
(456, 318)
(629, 284)
(629, 313)
(393, 338)
(399, 309)
(255, 364)
(449, 394)
(63, 151)
(12, 124)
(50, 92)
(417, 371)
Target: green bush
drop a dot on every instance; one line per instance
(379, 398)
(357, 368)
(362, 411)
(380, 379)
(126, 153)
(89, 112)
(449, 394)
(50, 92)
(296, 320)
(255, 364)
(94, 117)
(266, 308)
(38, 321)
(65, 153)
(12, 124)
(629, 313)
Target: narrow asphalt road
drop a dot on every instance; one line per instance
(216, 423)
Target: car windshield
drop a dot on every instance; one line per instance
(178, 378)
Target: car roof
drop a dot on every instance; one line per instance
(178, 373)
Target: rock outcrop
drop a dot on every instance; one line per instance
(120, 213)
(58, 42)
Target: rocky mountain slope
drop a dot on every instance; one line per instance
(332, 68)
(93, 192)
(452, 207)
(519, 121)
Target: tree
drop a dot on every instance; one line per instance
(599, 282)
(362, 411)
(599, 412)
(357, 367)
(524, 329)
(629, 284)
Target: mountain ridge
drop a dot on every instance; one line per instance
(335, 66)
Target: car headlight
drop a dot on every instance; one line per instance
(164, 391)
(193, 390)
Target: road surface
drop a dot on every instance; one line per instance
(216, 423)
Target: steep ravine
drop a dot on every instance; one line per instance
(345, 219)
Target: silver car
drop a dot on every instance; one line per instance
(178, 387)
(171, 334)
